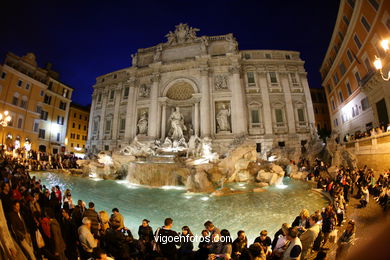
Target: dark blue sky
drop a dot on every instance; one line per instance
(85, 39)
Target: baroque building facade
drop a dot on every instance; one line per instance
(77, 129)
(38, 103)
(358, 98)
(214, 90)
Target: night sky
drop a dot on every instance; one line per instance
(85, 39)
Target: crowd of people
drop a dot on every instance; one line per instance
(41, 161)
(44, 222)
(375, 131)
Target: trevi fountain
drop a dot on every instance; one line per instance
(197, 129)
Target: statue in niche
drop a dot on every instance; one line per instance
(142, 124)
(223, 119)
(134, 58)
(157, 54)
(177, 125)
(221, 82)
(144, 91)
(204, 44)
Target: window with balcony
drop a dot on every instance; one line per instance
(374, 4)
(365, 23)
(273, 78)
(62, 105)
(364, 103)
(122, 125)
(350, 57)
(47, 99)
(20, 122)
(44, 115)
(357, 41)
(41, 133)
(346, 20)
(36, 126)
(341, 96)
(251, 77)
(342, 69)
(23, 102)
(279, 116)
(107, 129)
(60, 120)
(349, 89)
(126, 93)
(294, 79)
(15, 100)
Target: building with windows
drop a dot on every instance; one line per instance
(37, 101)
(218, 91)
(321, 112)
(77, 129)
(358, 98)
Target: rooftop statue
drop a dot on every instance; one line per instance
(183, 33)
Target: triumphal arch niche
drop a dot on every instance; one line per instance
(204, 86)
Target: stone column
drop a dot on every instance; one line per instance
(91, 122)
(267, 111)
(153, 117)
(130, 111)
(117, 100)
(163, 120)
(289, 104)
(196, 126)
(102, 117)
(239, 117)
(205, 123)
(309, 103)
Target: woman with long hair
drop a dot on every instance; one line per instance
(186, 244)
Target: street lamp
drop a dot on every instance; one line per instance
(5, 118)
(378, 62)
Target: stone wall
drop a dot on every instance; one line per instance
(379, 162)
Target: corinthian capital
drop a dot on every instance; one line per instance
(131, 81)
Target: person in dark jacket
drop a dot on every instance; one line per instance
(240, 244)
(70, 235)
(18, 227)
(186, 245)
(92, 215)
(167, 248)
(56, 236)
(203, 251)
(145, 236)
(118, 242)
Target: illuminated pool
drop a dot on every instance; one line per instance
(251, 212)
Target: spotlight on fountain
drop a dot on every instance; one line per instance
(281, 186)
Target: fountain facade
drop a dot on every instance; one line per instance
(203, 86)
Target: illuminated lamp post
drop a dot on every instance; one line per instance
(5, 118)
(378, 62)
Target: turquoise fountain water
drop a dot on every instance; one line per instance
(251, 212)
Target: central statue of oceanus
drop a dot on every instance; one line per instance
(177, 125)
